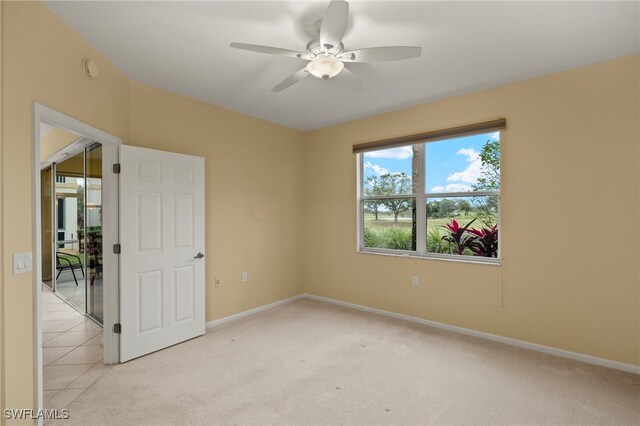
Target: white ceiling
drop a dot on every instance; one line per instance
(184, 47)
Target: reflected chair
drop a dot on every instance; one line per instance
(94, 246)
(63, 263)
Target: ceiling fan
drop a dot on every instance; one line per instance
(327, 56)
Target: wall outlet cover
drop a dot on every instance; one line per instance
(22, 262)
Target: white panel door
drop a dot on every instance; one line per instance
(162, 240)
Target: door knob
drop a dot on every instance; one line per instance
(198, 256)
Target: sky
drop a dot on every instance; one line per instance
(453, 165)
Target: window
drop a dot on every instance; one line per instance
(435, 196)
(390, 198)
(61, 211)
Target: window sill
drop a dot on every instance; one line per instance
(465, 259)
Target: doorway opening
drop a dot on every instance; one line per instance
(71, 265)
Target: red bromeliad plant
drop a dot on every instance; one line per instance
(485, 242)
(458, 236)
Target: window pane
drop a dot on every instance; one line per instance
(389, 171)
(463, 226)
(390, 224)
(70, 245)
(470, 163)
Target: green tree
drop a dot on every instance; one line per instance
(373, 188)
(489, 179)
(447, 207)
(395, 184)
(464, 207)
(433, 208)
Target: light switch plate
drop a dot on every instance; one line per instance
(22, 262)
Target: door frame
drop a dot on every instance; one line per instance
(111, 308)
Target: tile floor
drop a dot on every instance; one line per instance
(71, 353)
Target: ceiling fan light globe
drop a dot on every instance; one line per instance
(325, 66)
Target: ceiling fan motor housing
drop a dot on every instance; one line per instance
(315, 48)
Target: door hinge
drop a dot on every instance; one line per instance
(116, 168)
(117, 328)
(117, 248)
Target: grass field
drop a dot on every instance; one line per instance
(385, 221)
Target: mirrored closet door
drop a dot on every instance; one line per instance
(72, 229)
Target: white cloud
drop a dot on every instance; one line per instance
(401, 153)
(494, 136)
(379, 170)
(473, 170)
(470, 153)
(457, 187)
(452, 187)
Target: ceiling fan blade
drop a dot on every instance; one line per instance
(381, 54)
(292, 79)
(349, 80)
(334, 24)
(270, 50)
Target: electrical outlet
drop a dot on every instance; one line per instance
(217, 282)
(415, 281)
(245, 277)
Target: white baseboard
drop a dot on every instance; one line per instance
(506, 340)
(220, 321)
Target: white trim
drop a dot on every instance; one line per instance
(506, 340)
(70, 124)
(602, 362)
(111, 261)
(389, 197)
(466, 194)
(239, 315)
(110, 144)
(359, 201)
(421, 201)
(500, 228)
(37, 267)
(477, 260)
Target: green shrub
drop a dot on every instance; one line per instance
(371, 238)
(394, 237)
(397, 238)
(435, 243)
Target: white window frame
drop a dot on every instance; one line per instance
(421, 198)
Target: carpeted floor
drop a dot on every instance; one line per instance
(308, 362)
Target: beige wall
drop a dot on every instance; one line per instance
(253, 192)
(570, 275)
(253, 174)
(2, 402)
